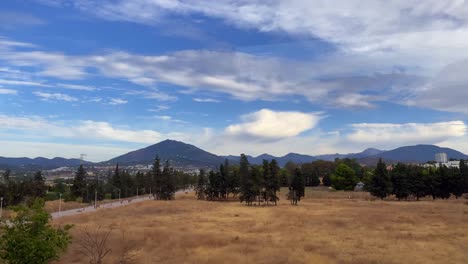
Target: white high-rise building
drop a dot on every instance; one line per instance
(441, 157)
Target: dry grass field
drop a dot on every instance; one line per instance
(326, 227)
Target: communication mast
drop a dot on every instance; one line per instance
(82, 156)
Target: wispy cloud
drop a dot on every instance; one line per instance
(76, 87)
(206, 100)
(395, 135)
(8, 91)
(55, 97)
(159, 108)
(22, 83)
(274, 125)
(117, 101)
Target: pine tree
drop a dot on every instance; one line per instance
(443, 183)
(380, 185)
(223, 180)
(264, 180)
(116, 181)
(246, 184)
(284, 177)
(201, 185)
(78, 188)
(39, 188)
(157, 179)
(464, 175)
(273, 181)
(297, 188)
(167, 184)
(326, 180)
(400, 181)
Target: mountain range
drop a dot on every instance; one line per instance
(182, 155)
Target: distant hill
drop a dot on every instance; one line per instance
(182, 155)
(366, 153)
(419, 153)
(39, 163)
(294, 157)
(178, 153)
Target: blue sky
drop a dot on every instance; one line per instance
(313, 77)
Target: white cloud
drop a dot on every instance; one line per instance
(394, 135)
(243, 76)
(153, 94)
(271, 125)
(117, 101)
(96, 153)
(84, 129)
(421, 36)
(447, 91)
(206, 100)
(159, 108)
(22, 83)
(76, 87)
(356, 25)
(8, 91)
(55, 96)
(169, 118)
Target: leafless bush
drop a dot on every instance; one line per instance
(93, 244)
(127, 256)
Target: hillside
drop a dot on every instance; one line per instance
(38, 163)
(419, 153)
(178, 153)
(191, 157)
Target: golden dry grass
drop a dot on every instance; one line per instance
(320, 230)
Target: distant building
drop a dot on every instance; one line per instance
(441, 158)
(359, 187)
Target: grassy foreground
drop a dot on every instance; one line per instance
(325, 228)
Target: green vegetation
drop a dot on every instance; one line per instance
(29, 238)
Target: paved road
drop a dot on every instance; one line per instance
(89, 209)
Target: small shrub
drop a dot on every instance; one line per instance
(29, 238)
(68, 197)
(52, 196)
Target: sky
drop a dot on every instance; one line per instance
(231, 76)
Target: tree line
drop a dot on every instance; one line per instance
(14, 192)
(161, 182)
(249, 183)
(414, 182)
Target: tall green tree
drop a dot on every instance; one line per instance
(6, 176)
(200, 189)
(29, 238)
(157, 179)
(78, 188)
(273, 185)
(380, 184)
(344, 178)
(464, 174)
(400, 181)
(297, 187)
(326, 180)
(247, 184)
(38, 187)
(168, 187)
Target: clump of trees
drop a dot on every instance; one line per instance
(414, 182)
(29, 238)
(161, 182)
(218, 185)
(16, 191)
(251, 183)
